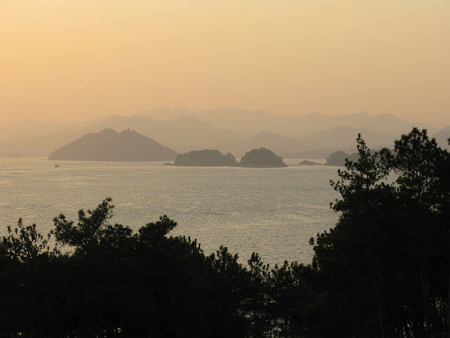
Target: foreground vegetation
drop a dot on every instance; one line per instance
(382, 271)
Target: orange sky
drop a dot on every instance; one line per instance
(74, 60)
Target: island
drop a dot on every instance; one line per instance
(109, 145)
(338, 158)
(206, 157)
(308, 163)
(261, 158)
(256, 158)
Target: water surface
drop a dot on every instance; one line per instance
(271, 211)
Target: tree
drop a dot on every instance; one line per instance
(112, 282)
(25, 245)
(423, 187)
(390, 243)
(87, 234)
(348, 256)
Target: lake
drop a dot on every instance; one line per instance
(270, 211)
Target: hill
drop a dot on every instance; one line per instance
(263, 158)
(338, 158)
(207, 157)
(109, 145)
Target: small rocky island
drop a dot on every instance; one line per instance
(338, 158)
(308, 163)
(256, 158)
(109, 145)
(261, 158)
(207, 157)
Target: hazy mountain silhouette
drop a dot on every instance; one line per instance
(183, 134)
(30, 127)
(342, 137)
(317, 145)
(266, 139)
(228, 130)
(442, 136)
(36, 145)
(109, 145)
(249, 123)
(243, 122)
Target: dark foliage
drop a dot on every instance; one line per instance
(383, 271)
(100, 279)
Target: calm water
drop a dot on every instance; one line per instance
(271, 211)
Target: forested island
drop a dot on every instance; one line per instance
(338, 158)
(261, 158)
(382, 271)
(210, 158)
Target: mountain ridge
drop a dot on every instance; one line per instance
(183, 130)
(247, 123)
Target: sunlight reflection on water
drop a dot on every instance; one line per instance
(271, 211)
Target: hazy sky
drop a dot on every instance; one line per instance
(73, 60)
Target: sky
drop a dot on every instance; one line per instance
(74, 60)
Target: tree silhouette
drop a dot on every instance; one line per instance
(384, 266)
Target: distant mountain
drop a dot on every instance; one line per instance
(20, 145)
(184, 134)
(109, 145)
(248, 123)
(276, 142)
(229, 130)
(442, 136)
(341, 138)
(30, 127)
(243, 122)
(317, 145)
